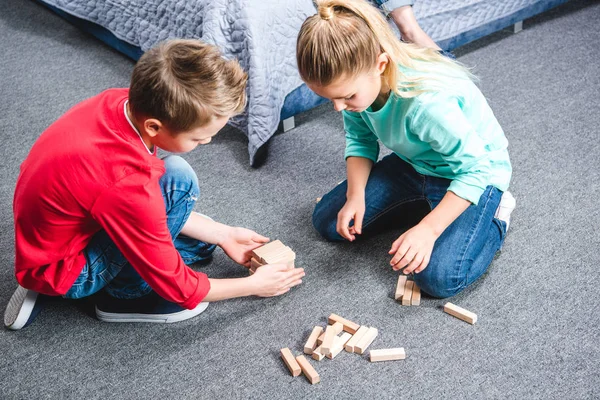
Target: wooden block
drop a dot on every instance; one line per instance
(400, 287)
(349, 326)
(318, 199)
(317, 354)
(407, 296)
(416, 295)
(338, 344)
(350, 345)
(337, 327)
(259, 252)
(311, 343)
(254, 263)
(290, 361)
(282, 255)
(330, 334)
(387, 354)
(460, 313)
(366, 340)
(308, 370)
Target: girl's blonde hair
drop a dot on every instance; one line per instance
(346, 37)
(185, 83)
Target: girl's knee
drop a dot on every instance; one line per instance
(325, 223)
(438, 284)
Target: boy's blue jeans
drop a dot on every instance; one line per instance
(106, 268)
(460, 255)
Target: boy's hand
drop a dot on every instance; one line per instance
(354, 209)
(238, 244)
(275, 279)
(413, 249)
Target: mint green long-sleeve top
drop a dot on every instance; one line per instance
(452, 135)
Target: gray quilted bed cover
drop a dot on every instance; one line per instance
(261, 34)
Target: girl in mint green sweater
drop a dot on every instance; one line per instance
(448, 149)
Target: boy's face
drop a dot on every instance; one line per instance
(183, 142)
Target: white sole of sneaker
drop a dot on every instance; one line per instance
(19, 308)
(153, 318)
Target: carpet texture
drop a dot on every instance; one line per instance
(537, 336)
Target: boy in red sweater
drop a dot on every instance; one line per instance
(96, 212)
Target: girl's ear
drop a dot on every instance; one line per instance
(382, 61)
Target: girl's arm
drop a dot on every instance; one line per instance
(358, 170)
(413, 248)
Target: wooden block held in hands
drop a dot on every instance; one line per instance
(407, 296)
(259, 252)
(350, 345)
(290, 361)
(387, 354)
(308, 370)
(416, 295)
(366, 340)
(349, 326)
(460, 313)
(311, 343)
(400, 286)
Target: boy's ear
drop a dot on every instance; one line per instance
(152, 126)
(382, 61)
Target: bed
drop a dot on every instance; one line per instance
(262, 36)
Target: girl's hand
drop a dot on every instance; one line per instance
(275, 279)
(354, 209)
(238, 244)
(412, 250)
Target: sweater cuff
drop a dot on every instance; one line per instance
(466, 191)
(201, 291)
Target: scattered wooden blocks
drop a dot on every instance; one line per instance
(407, 296)
(338, 344)
(400, 287)
(308, 370)
(350, 345)
(460, 313)
(387, 354)
(330, 333)
(349, 326)
(366, 340)
(317, 354)
(311, 343)
(290, 361)
(416, 295)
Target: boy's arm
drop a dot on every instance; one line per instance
(205, 229)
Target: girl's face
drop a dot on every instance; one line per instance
(355, 93)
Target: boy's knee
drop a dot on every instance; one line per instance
(180, 174)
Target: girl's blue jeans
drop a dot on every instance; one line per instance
(106, 267)
(460, 255)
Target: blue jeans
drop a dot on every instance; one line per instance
(460, 255)
(107, 268)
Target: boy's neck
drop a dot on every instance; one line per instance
(140, 132)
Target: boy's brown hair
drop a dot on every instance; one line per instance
(184, 83)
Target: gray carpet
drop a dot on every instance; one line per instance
(537, 334)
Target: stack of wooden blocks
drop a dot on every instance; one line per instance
(407, 292)
(340, 334)
(273, 252)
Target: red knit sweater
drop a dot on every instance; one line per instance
(90, 171)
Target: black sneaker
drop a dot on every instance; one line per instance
(149, 308)
(22, 308)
